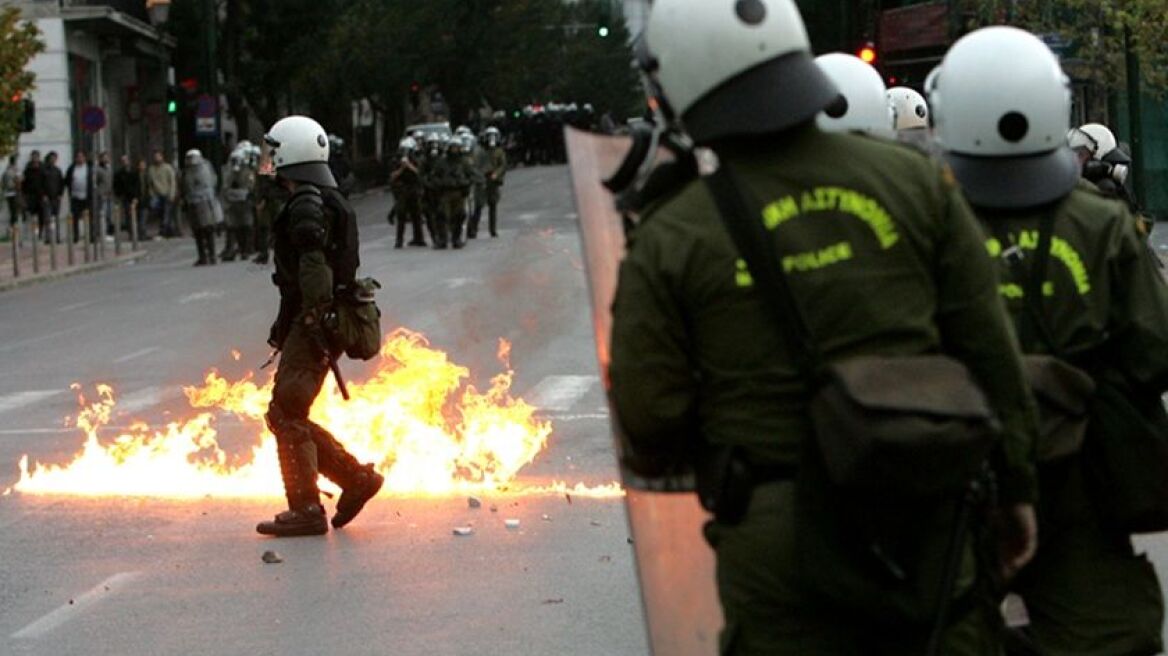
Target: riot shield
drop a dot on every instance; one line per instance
(674, 564)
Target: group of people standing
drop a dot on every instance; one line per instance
(445, 183)
(766, 304)
(100, 199)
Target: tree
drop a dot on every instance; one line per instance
(1094, 33)
(20, 41)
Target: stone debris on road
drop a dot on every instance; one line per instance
(546, 602)
(594, 523)
(511, 523)
(494, 508)
(271, 557)
(546, 518)
(463, 531)
(474, 502)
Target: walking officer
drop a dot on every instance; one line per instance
(1082, 288)
(406, 184)
(316, 257)
(494, 168)
(882, 258)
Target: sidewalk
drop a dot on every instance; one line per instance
(39, 267)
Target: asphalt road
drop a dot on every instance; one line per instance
(142, 576)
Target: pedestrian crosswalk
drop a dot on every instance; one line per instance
(560, 393)
(17, 400)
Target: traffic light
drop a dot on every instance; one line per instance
(604, 19)
(415, 91)
(867, 52)
(27, 115)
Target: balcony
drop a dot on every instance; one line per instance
(132, 8)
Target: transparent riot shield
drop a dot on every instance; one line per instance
(674, 563)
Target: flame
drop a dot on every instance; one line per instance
(425, 429)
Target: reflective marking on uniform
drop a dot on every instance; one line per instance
(1014, 291)
(135, 355)
(25, 398)
(560, 393)
(742, 277)
(1060, 250)
(76, 606)
(822, 258)
(848, 201)
(779, 212)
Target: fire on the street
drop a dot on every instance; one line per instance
(429, 432)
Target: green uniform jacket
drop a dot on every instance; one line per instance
(1103, 297)
(452, 173)
(497, 166)
(300, 236)
(886, 258)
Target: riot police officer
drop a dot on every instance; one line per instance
(862, 103)
(698, 359)
(239, 194)
(1081, 287)
(493, 166)
(316, 256)
(406, 183)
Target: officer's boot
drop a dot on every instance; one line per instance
(492, 218)
(456, 229)
(472, 228)
(228, 254)
(401, 232)
(359, 483)
(440, 223)
(416, 220)
(209, 234)
(305, 515)
(201, 245)
(243, 241)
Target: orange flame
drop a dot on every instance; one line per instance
(426, 430)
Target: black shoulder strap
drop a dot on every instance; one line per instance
(741, 215)
(1032, 280)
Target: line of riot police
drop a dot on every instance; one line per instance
(444, 183)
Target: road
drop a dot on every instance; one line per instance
(146, 576)
(129, 576)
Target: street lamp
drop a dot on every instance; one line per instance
(159, 11)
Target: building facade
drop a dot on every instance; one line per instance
(101, 83)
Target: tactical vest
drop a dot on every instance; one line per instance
(343, 244)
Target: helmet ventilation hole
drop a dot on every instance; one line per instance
(1013, 127)
(751, 12)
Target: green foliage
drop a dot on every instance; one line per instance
(1095, 30)
(19, 43)
(319, 55)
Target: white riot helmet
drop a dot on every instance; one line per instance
(1008, 149)
(300, 151)
(492, 136)
(734, 68)
(909, 109)
(862, 104)
(1095, 138)
(194, 156)
(468, 142)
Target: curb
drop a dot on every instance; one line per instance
(46, 276)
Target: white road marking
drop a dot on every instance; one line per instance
(584, 417)
(76, 606)
(200, 296)
(43, 338)
(135, 355)
(529, 216)
(28, 397)
(78, 306)
(560, 393)
(571, 215)
(455, 283)
(141, 399)
(112, 428)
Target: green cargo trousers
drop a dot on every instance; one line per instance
(768, 612)
(1086, 591)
